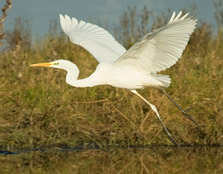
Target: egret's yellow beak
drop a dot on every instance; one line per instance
(42, 64)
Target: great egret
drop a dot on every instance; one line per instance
(131, 69)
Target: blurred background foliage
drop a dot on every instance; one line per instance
(39, 108)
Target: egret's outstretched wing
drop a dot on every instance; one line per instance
(162, 48)
(93, 38)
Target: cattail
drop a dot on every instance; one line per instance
(6, 7)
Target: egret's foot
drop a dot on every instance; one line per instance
(170, 136)
(189, 117)
(179, 107)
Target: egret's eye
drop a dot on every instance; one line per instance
(56, 63)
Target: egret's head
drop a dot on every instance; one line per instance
(66, 65)
(60, 64)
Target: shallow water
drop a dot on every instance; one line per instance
(154, 159)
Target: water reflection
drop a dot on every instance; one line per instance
(151, 160)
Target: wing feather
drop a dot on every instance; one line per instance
(162, 48)
(99, 42)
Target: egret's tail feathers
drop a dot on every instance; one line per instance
(164, 79)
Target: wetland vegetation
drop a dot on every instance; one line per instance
(37, 107)
(151, 160)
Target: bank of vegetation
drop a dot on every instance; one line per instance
(37, 107)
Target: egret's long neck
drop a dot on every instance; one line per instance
(72, 75)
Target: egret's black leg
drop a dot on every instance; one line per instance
(183, 112)
(157, 114)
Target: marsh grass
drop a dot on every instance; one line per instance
(39, 108)
(121, 161)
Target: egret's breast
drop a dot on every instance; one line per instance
(124, 77)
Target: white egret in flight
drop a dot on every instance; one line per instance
(132, 69)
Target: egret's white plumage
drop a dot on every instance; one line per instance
(99, 42)
(133, 69)
(160, 49)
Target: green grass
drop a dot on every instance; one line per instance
(37, 107)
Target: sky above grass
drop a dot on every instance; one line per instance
(40, 12)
